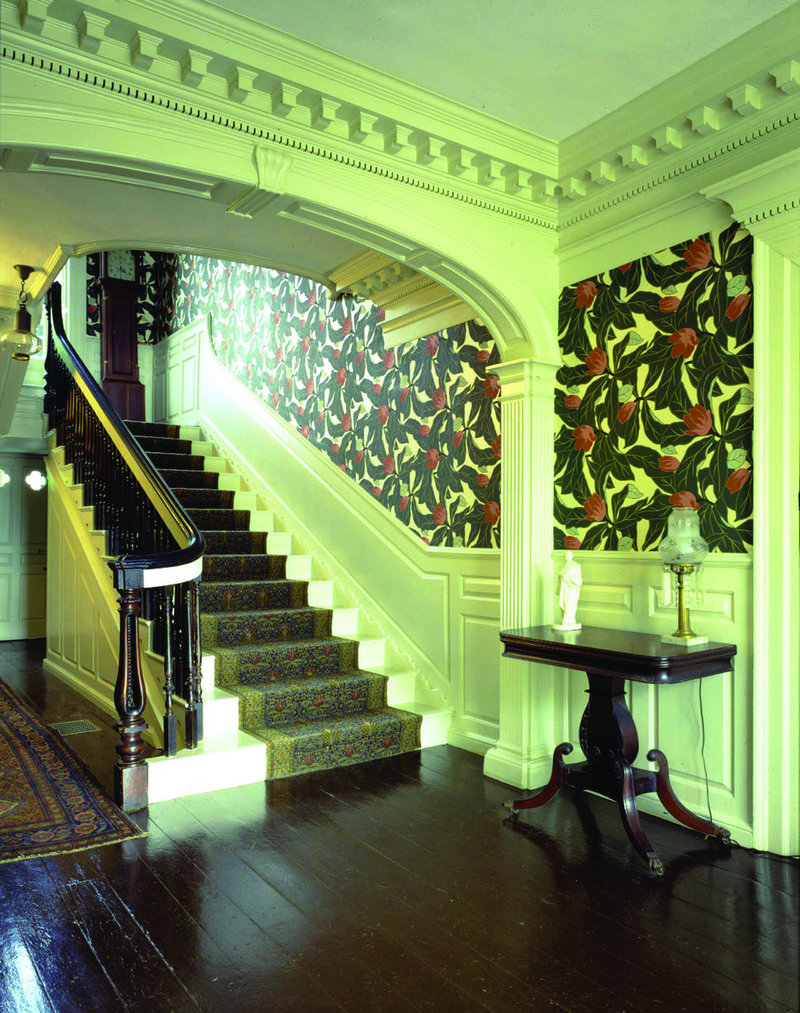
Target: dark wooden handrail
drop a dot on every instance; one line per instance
(155, 550)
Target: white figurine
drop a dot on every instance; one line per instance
(569, 589)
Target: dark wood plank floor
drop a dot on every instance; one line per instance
(392, 886)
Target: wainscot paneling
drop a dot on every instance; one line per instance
(706, 721)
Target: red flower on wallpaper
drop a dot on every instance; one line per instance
(359, 456)
(585, 294)
(341, 376)
(669, 303)
(424, 430)
(491, 386)
(571, 542)
(279, 355)
(388, 359)
(359, 356)
(596, 362)
(595, 508)
(626, 411)
(571, 401)
(337, 352)
(482, 480)
(438, 399)
(698, 255)
(697, 421)
(491, 512)
(301, 409)
(310, 385)
(347, 325)
(376, 490)
(584, 437)
(276, 317)
(484, 355)
(404, 395)
(312, 296)
(683, 499)
(683, 342)
(737, 479)
(376, 388)
(305, 431)
(439, 514)
(383, 414)
(624, 268)
(431, 458)
(388, 464)
(668, 463)
(457, 439)
(335, 448)
(306, 345)
(737, 306)
(345, 423)
(403, 502)
(497, 447)
(432, 344)
(276, 398)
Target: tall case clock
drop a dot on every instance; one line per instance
(120, 366)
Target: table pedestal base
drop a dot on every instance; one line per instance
(623, 789)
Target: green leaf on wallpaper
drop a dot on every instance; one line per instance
(670, 450)
(746, 396)
(633, 492)
(634, 338)
(737, 284)
(625, 393)
(737, 458)
(574, 532)
(670, 290)
(574, 389)
(625, 544)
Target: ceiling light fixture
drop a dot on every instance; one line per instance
(20, 339)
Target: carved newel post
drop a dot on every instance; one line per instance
(130, 770)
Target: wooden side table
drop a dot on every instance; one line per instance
(608, 734)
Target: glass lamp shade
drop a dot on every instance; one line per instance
(684, 544)
(20, 340)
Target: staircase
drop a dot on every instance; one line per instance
(310, 696)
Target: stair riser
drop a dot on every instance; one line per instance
(244, 567)
(178, 462)
(222, 630)
(177, 478)
(205, 499)
(246, 596)
(313, 700)
(235, 542)
(163, 445)
(264, 664)
(221, 520)
(322, 749)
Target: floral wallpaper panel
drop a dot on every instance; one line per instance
(654, 403)
(416, 426)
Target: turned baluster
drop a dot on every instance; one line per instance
(192, 717)
(130, 770)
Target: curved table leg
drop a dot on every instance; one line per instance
(550, 789)
(674, 807)
(632, 822)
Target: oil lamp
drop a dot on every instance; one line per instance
(682, 552)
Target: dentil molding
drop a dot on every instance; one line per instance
(269, 88)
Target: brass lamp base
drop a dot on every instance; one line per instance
(684, 634)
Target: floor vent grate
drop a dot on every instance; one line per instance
(74, 727)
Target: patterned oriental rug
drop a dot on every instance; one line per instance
(50, 802)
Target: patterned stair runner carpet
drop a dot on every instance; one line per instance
(299, 687)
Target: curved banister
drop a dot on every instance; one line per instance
(133, 570)
(152, 545)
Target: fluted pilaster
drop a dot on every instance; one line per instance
(524, 749)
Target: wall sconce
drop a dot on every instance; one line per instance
(16, 348)
(682, 552)
(36, 480)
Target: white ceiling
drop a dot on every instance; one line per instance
(549, 66)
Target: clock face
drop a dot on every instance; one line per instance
(121, 265)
